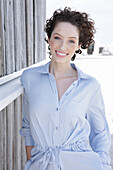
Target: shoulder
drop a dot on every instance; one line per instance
(88, 79)
(29, 74)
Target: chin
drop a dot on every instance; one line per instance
(60, 60)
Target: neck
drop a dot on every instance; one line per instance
(61, 69)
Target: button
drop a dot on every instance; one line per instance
(56, 127)
(58, 166)
(57, 109)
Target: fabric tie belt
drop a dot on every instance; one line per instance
(50, 156)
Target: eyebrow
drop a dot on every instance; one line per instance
(62, 36)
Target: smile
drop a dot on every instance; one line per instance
(60, 54)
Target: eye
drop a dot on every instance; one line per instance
(71, 41)
(56, 38)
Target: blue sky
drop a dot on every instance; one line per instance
(100, 10)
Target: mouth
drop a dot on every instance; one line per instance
(61, 54)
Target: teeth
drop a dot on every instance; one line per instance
(61, 53)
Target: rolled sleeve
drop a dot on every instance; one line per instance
(25, 130)
(100, 136)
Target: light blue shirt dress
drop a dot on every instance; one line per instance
(70, 134)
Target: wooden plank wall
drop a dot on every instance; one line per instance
(21, 45)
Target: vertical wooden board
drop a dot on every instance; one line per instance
(17, 33)
(10, 68)
(18, 27)
(35, 31)
(23, 152)
(29, 29)
(23, 33)
(1, 140)
(4, 141)
(1, 38)
(40, 30)
(17, 137)
(44, 34)
(10, 135)
(1, 45)
(39, 18)
(9, 37)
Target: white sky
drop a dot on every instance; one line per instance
(100, 10)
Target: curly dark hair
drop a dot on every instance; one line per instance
(81, 20)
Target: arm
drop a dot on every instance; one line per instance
(28, 151)
(25, 130)
(99, 136)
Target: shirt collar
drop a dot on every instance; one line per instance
(45, 70)
(81, 74)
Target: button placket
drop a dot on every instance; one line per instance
(56, 127)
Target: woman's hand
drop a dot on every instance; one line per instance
(28, 151)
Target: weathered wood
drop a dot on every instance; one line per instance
(1, 141)
(18, 34)
(44, 34)
(35, 23)
(23, 153)
(40, 38)
(10, 77)
(1, 39)
(10, 135)
(23, 32)
(21, 44)
(9, 92)
(17, 137)
(29, 23)
(4, 140)
(9, 37)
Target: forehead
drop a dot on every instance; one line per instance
(66, 28)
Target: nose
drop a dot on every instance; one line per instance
(63, 45)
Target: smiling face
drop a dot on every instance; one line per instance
(64, 41)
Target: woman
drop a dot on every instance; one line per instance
(64, 123)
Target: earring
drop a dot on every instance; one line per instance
(49, 47)
(78, 51)
(73, 58)
(49, 55)
(49, 52)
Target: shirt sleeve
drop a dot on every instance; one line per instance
(25, 129)
(100, 136)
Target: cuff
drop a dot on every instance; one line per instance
(29, 141)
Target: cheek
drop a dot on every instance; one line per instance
(52, 44)
(73, 48)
